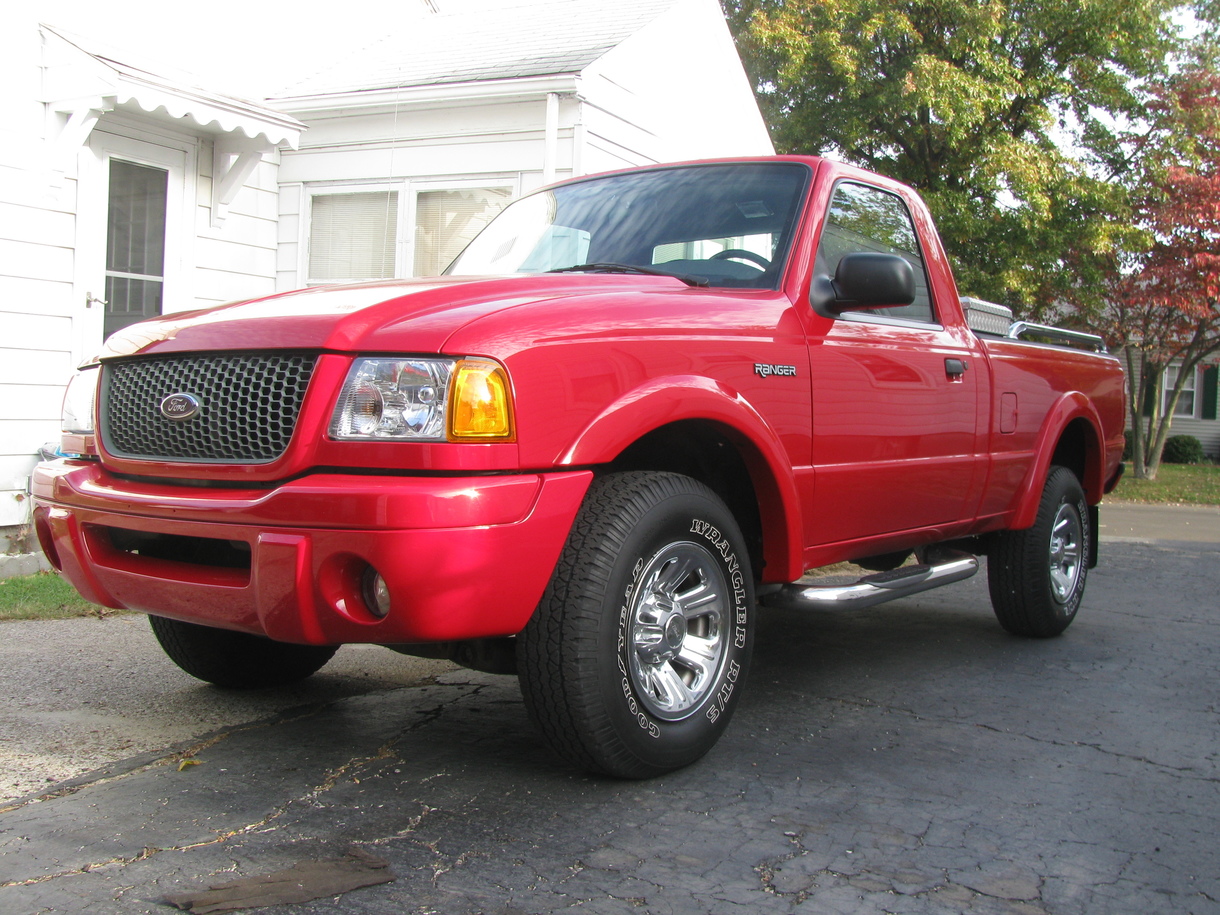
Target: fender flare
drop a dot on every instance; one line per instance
(676, 398)
(1066, 410)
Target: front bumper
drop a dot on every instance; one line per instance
(464, 557)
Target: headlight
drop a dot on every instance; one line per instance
(424, 400)
(79, 401)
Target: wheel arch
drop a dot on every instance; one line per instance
(698, 428)
(1070, 437)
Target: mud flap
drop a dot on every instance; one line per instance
(1094, 515)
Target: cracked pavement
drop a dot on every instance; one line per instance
(909, 758)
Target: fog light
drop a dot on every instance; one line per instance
(376, 593)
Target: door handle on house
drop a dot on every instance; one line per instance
(90, 298)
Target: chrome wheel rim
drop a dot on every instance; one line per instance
(1067, 536)
(679, 617)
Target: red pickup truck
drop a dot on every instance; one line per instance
(638, 406)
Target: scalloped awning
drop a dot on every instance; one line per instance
(75, 80)
(203, 111)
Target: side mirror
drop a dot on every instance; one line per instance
(863, 280)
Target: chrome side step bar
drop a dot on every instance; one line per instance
(874, 589)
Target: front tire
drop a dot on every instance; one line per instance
(236, 660)
(633, 662)
(1037, 576)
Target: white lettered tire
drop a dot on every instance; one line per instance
(635, 658)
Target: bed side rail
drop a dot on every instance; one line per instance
(1041, 333)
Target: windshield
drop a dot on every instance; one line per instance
(729, 225)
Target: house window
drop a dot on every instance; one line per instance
(446, 221)
(135, 243)
(1186, 406)
(357, 233)
(353, 236)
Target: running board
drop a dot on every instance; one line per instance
(874, 589)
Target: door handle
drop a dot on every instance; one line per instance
(956, 368)
(90, 299)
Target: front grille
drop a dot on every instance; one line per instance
(248, 406)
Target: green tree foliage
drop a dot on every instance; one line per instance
(1206, 43)
(974, 102)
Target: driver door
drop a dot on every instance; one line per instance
(895, 399)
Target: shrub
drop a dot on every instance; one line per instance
(1183, 449)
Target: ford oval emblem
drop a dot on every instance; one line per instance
(180, 406)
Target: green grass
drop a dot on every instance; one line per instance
(44, 596)
(1184, 484)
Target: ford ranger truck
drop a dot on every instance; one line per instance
(636, 408)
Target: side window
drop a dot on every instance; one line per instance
(863, 218)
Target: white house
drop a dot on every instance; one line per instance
(418, 140)
(124, 193)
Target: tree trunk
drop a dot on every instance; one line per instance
(1160, 422)
(1139, 394)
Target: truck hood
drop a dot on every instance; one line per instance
(416, 315)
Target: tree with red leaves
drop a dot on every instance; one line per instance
(1165, 313)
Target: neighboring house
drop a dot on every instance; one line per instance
(125, 194)
(1198, 409)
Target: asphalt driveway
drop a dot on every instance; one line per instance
(907, 758)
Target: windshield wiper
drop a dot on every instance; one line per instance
(607, 267)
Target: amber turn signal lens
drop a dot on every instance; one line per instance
(480, 406)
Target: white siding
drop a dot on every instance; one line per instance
(290, 252)
(236, 260)
(675, 90)
(1207, 431)
(35, 360)
(36, 261)
(475, 139)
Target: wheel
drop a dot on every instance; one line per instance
(741, 254)
(236, 660)
(1037, 576)
(634, 660)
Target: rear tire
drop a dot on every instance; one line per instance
(633, 662)
(237, 660)
(1037, 576)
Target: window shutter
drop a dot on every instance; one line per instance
(1211, 382)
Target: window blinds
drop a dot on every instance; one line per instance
(352, 236)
